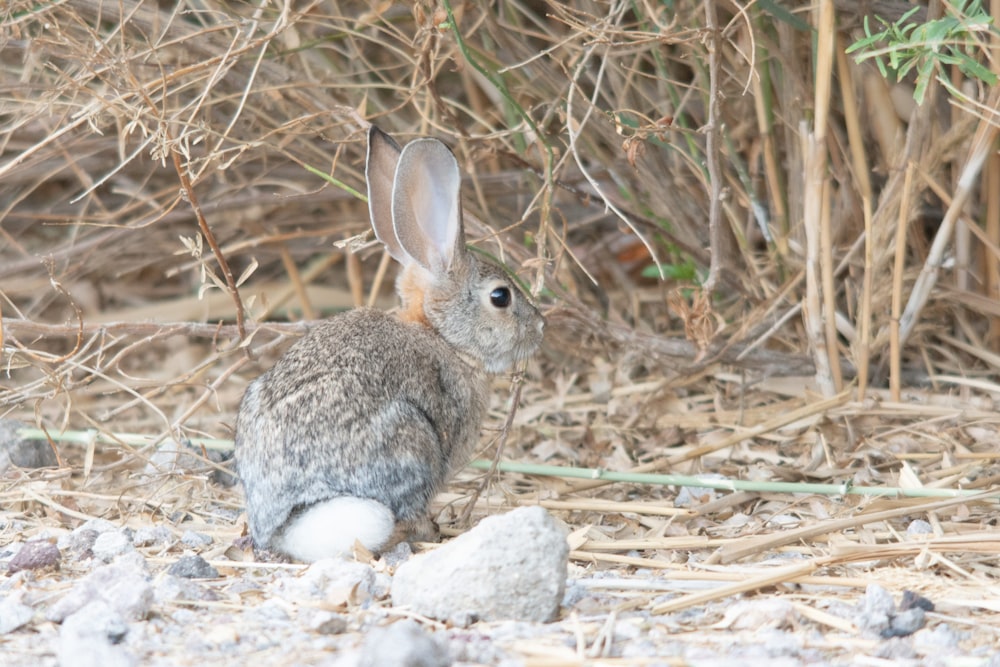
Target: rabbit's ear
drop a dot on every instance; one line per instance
(427, 207)
(380, 169)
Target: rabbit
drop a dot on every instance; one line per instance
(353, 431)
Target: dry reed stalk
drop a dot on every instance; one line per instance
(899, 260)
(719, 260)
(813, 150)
(991, 262)
(745, 548)
(991, 186)
(750, 582)
(980, 147)
(825, 63)
(295, 277)
(847, 75)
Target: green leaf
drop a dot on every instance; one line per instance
(685, 271)
(784, 15)
(924, 74)
(975, 70)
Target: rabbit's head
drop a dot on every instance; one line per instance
(414, 198)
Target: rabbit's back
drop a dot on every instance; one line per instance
(366, 406)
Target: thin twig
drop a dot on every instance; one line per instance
(711, 130)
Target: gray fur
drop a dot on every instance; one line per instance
(371, 406)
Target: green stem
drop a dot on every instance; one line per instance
(133, 439)
(501, 87)
(846, 488)
(723, 484)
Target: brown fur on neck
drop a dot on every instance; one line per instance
(410, 286)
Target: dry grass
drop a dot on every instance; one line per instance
(165, 228)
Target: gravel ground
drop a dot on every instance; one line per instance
(158, 595)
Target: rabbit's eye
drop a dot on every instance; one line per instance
(500, 297)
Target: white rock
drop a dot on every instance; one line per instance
(110, 545)
(402, 644)
(759, 613)
(195, 540)
(14, 614)
(147, 536)
(91, 636)
(124, 586)
(511, 566)
(325, 578)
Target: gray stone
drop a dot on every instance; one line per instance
(919, 527)
(79, 543)
(398, 555)
(942, 636)
(98, 620)
(96, 525)
(14, 614)
(170, 588)
(877, 614)
(327, 623)
(511, 566)
(123, 585)
(896, 651)
(193, 567)
(175, 457)
(148, 536)
(23, 452)
(402, 644)
(195, 540)
(759, 613)
(35, 555)
(905, 623)
(91, 637)
(690, 496)
(110, 545)
(325, 578)
(875, 610)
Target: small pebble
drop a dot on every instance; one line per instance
(96, 525)
(97, 620)
(690, 496)
(943, 636)
(110, 545)
(896, 650)
(124, 585)
(326, 578)
(79, 543)
(760, 613)
(398, 555)
(919, 527)
(148, 536)
(195, 540)
(170, 588)
(875, 610)
(14, 614)
(327, 623)
(402, 644)
(92, 637)
(904, 623)
(913, 600)
(23, 452)
(193, 567)
(37, 555)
